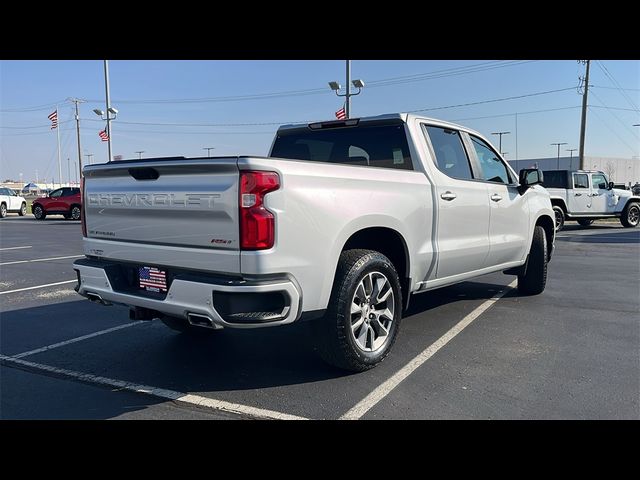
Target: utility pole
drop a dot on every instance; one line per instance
(500, 133)
(108, 100)
(558, 144)
(348, 96)
(59, 162)
(208, 149)
(583, 123)
(69, 169)
(89, 155)
(140, 152)
(77, 101)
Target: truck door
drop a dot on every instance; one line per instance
(509, 221)
(462, 204)
(601, 197)
(579, 198)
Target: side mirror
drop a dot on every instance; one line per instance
(610, 186)
(529, 177)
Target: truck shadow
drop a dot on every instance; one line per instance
(624, 237)
(250, 362)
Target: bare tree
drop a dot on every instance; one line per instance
(610, 170)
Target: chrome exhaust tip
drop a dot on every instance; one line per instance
(199, 320)
(95, 298)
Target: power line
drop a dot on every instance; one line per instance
(612, 130)
(615, 82)
(616, 88)
(616, 117)
(45, 106)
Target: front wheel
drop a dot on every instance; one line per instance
(365, 308)
(535, 277)
(631, 215)
(559, 213)
(3, 210)
(23, 210)
(585, 222)
(39, 213)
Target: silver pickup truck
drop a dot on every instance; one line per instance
(339, 225)
(587, 195)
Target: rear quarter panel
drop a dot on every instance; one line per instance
(320, 205)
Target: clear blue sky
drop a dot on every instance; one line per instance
(39, 84)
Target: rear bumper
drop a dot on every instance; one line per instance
(192, 294)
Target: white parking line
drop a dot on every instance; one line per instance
(173, 395)
(77, 339)
(37, 286)
(41, 259)
(383, 390)
(14, 248)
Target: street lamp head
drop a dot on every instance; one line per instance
(98, 112)
(113, 110)
(335, 86)
(358, 83)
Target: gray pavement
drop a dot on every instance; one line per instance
(572, 352)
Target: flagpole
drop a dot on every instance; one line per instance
(58, 136)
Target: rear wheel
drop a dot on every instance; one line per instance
(559, 213)
(631, 215)
(23, 210)
(3, 210)
(39, 212)
(75, 212)
(363, 318)
(585, 222)
(535, 277)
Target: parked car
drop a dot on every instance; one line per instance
(65, 201)
(11, 202)
(587, 195)
(340, 225)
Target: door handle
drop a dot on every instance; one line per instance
(578, 194)
(495, 197)
(595, 194)
(448, 196)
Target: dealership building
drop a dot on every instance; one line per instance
(620, 170)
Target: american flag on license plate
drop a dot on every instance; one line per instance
(152, 279)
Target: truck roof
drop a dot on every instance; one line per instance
(404, 117)
(575, 171)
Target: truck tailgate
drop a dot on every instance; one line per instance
(168, 212)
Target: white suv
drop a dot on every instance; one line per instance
(10, 202)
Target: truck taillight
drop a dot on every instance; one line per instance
(257, 224)
(83, 216)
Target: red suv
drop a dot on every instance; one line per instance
(64, 201)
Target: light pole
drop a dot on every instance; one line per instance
(558, 144)
(110, 110)
(77, 101)
(500, 141)
(359, 84)
(208, 149)
(571, 150)
(69, 169)
(89, 155)
(504, 154)
(140, 152)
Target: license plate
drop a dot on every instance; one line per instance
(152, 279)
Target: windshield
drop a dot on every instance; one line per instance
(377, 145)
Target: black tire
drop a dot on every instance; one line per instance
(75, 212)
(559, 213)
(183, 326)
(585, 222)
(39, 212)
(3, 210)
(535, 277)
(335, 341)
(23, 210)
(631, 215)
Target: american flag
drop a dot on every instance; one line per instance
(341, 114)
(54, 119)
(152, 279)
(103, 135)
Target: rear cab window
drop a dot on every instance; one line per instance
(382, 145)
(450, 155)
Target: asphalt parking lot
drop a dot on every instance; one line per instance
(571, 353)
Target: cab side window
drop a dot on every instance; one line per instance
(451, 157)
(56, 193)
(598, 181)
(581, 181)
(493, 168)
